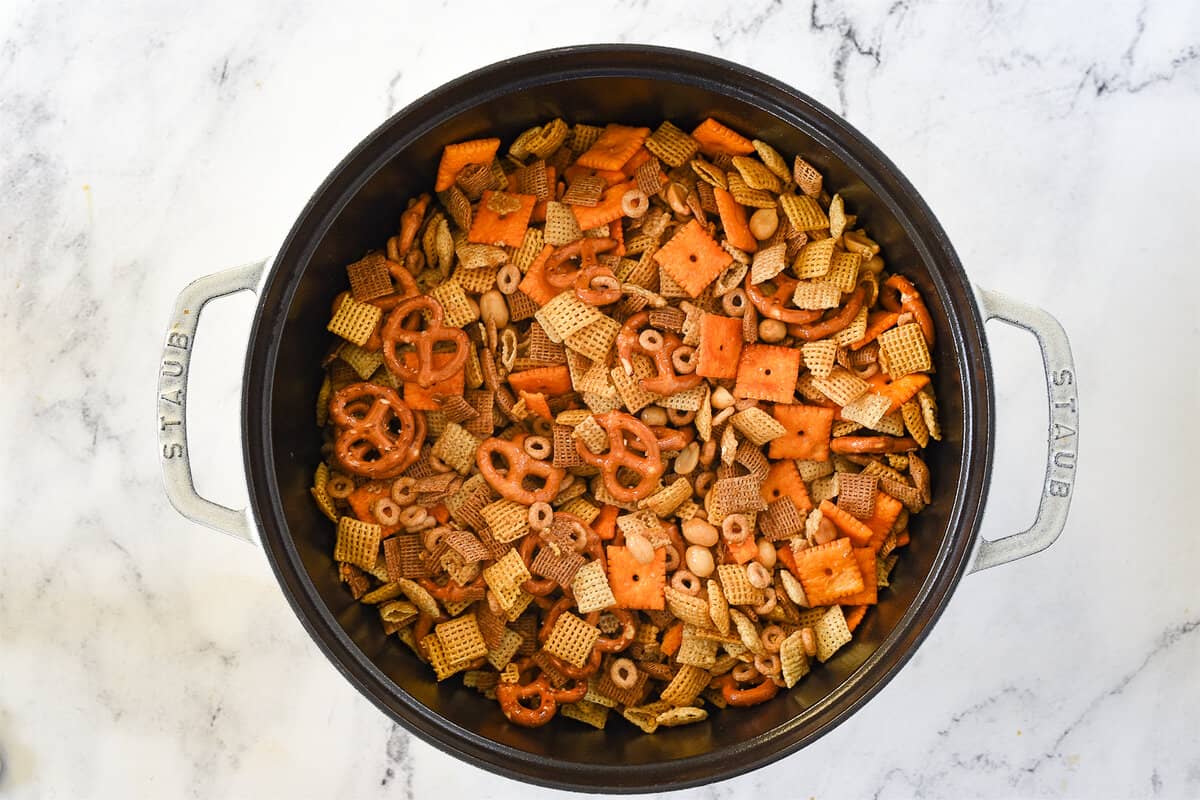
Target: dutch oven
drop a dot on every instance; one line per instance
(359, 205)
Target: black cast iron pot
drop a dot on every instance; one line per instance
(358, 206)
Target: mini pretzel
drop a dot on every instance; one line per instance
(453, 592)
(373, 419)
(394, 333)
(521, 467)
(737, 696)
(597, 286)
(615, 644)
(648, 466)
(671, 439)
(774, 306)
(666, 380)
(410, 223)
(558, 271)
(844, 445)
(827, 327)
(900, 295)
(510, 696)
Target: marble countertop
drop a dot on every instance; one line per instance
(143, 144)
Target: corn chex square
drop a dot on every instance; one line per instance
(508, 520)
(820, 357)
(564, 315)
(816, 295)
(460, 639)
(737, 587)
(757, 426)
(815, 260)
(843, 269)
(906, 350)
(831, 632)
(456, 446)
(803, 212)
(458, 308)
(355, 321)
(572, 639)
(841, 386)
(595, 339)
(591, 589)
(629, 387)
(357, 542)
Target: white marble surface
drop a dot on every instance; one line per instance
(144, 144)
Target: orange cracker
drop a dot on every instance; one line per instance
(535, 284)
(733, 220)
(869, 595)
(634, 584)
(744, 551)
(783, 480)
(606, 211)
(642, 156)
(847, 523)
(508, 229)
(715, 138)
(887, 510)
(855, 616)
(552, 381)
(828, 572)
(877, 323)
(362, 498)
(901, 390)
(422, 399)
(693, 258)
(720, 346)
(809, 429)
(536, 403)
(768, 372)
(462, 154)
(614, 148)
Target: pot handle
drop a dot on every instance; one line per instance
(172, 400)
(1062, 436)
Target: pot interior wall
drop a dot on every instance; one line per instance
(370, 213)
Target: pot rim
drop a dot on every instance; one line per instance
(790, 106)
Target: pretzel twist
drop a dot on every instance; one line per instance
(775, 306)
(423, 342)
(666, 380)
(373, 420)
(560, 273)
(520, 467)
(597, 286)
(648, 466)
